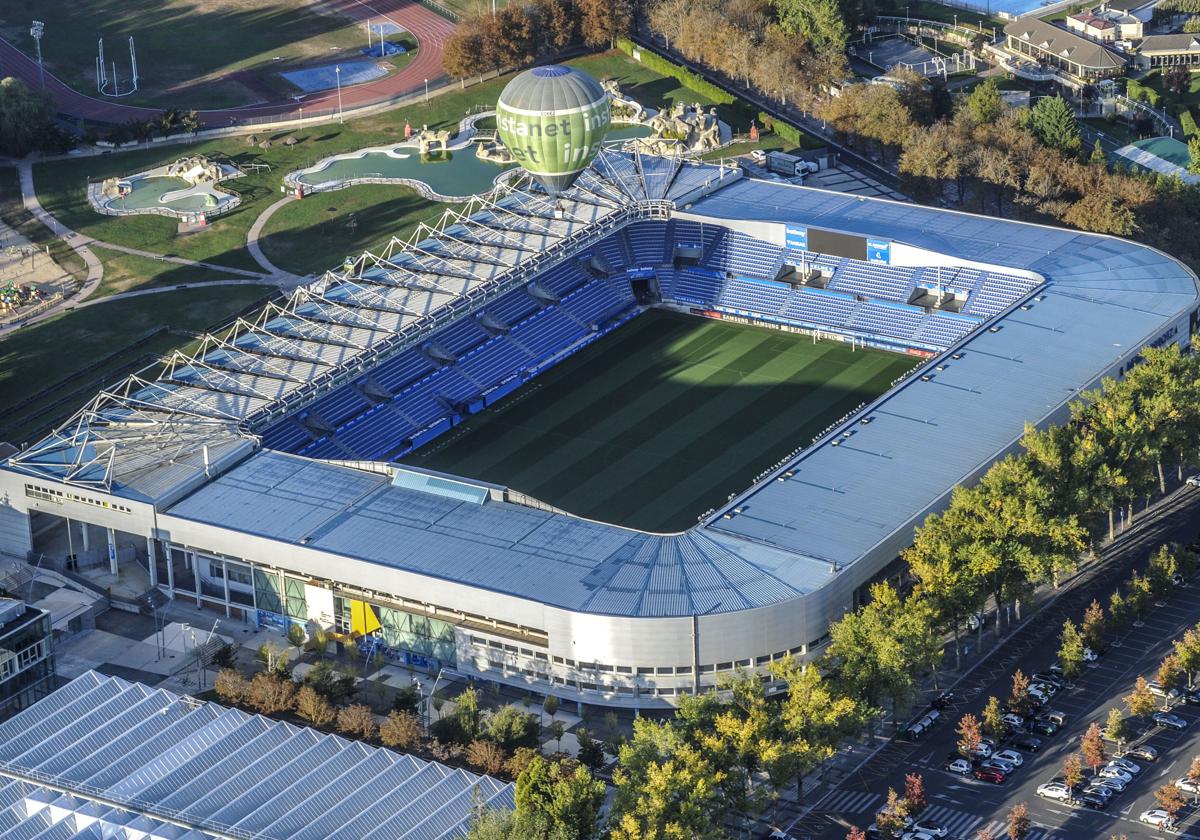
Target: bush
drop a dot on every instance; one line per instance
(313, 707)
(231, 686)
(336, 689)
(357, 721)
(521, 759)
(408, 699)
(295, 635)
(1136, 90)
(401, 730)
(685, 77)
(1188, 122)
(591, 752)
(511, 728)
(450, 730)
(224, 656)
(270, 694)
(487, 756)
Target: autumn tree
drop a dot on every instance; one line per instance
(487, 756)
(313, 707)
(271, 694)
(231, 686)
(1171, 799)
(969, 735)
(1141, 702)
(1116, 728)
(1018, 699)
(357, 721)
(915, 800)
(1073, 770)
(993, 720)
(1187, 653)
(602, 22)
(1091, 745)
(1019, 822)
(1169, 674)
(1092, 628)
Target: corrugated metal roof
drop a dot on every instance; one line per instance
(227, 772)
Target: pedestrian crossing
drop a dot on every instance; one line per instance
(957, 822)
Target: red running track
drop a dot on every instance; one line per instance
(429, 28)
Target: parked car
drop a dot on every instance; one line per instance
(1054, 715)
(959, 765)
(1090, 655)
(917, 835)
(1043, 727)
(1188, 785)
(1050, 678)
(758, 156)
(1110, 772)
(1011, 756)
(1118, 785)
(943, 700)
(1092, 799)
(1194, 480)
(1026, 743)
(982, 750)
(1046, 689)
(1014, 720)
(1054, 790)
(931, 828)
(990, 774)
(873, 828)
(1125, 764)
(1192, 696)
(1005, 767)
(1156, 688)
(1170, 721)
(1156, 817)
(1144, 752)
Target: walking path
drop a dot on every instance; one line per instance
(158, 290)
(255, 231)
(429, 28)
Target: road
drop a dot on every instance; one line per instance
(965, 805)
(430, 29)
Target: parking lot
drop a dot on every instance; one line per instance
(964, 805)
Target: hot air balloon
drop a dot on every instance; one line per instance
(552, 120)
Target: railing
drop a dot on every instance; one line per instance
(101, 204)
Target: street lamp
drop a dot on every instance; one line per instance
(37, 29)
(426, 91)
(425, 701)
(337, 71)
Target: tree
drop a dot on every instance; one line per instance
(993, 720)
(557, 729)
(1193, 775)
(337, 689)
(270, 694)
(1019, 822)
(1018, 700)
(231, 686)
(463, 52)
(1187, 653)
(1193, 166)
(1053, 122)
(487, 756)
(1141, 702)
(891, 817)
(591, 751)
(1139, 595)
(969, 735)
(357, 721)
(550, 705)
(26, 120)
(1170, 798)
(856, 833)
(273, 656)
(576, 803)
(511, 728)
(1073, 771)
(1161, 572)
(408, 699)
(313, 707)
(1102, 212)
(604, 21)
(915, 800)
(1092, 628)
(1176, 79)
(1091, 745)
(1169, 675)
(1098, 157)
(557, 24)
(819, 22)
(1118, 613)
(1116, 728)
(400, 730)
(985, 104)
(1070, 653)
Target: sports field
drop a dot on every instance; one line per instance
(662, 420)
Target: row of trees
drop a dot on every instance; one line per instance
(170, 121)
(520, 32)
(787, 49)
(27, 121)
(1027, 163)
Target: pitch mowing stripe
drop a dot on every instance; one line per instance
(745, 458)
(673, 403)
(572, 413)
(670, 449)
(724, 453)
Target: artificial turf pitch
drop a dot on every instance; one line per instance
(660, 421)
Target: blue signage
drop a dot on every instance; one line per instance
(879, 251)
(639, 273)
(796, 238)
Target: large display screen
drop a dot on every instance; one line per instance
(837, 244)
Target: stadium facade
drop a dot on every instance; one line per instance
(258, 475)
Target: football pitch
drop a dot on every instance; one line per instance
(661, 420)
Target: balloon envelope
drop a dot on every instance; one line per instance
(552, 120)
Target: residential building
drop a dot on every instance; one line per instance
(1168, 51)
(1076, 59)
(26, 655)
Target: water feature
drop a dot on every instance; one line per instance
(156, 191)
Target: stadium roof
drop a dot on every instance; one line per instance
(102, 757)
(144, 439)
(819, 513)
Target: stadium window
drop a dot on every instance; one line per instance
(608, 669)
(570, 662)
(527, 651)
(664, 670)
(624, 689)
(624, 669)
(706, 669)
(724, 666)
(796, 651)
(763, 660)
(645, 671)
(541, 656)
(558, 660)
(510, 648)
(587, 686)
(684, 669)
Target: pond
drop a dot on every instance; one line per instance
(156, 190)
(455, 173)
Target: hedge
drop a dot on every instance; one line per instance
(1188, 122)
(685, 77)
(785, 130)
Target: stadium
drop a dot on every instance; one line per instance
(610, 445)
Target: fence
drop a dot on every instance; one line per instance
(101, 204)
(18, 317)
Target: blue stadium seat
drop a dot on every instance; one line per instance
(339, 406)
(767, 297)
(890, 320)
(646, 241)
(696, 286)
(401, 370)
(460, 336)
(286, 436)
(878, 282)
(513, 307)
(994, 292)
(943, 329)
(820, 308)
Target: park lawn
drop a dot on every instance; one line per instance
(14, 214)
(182, 46)
(312, 235)
(1116, 130)
(1171, 101)
(61, 184)
(661, 420)
(52, 353)
(129, 272)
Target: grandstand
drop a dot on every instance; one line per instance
(270, 472)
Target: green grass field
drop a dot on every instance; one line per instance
(662, 420)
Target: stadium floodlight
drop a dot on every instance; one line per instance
(337, 71)
(37, 29)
